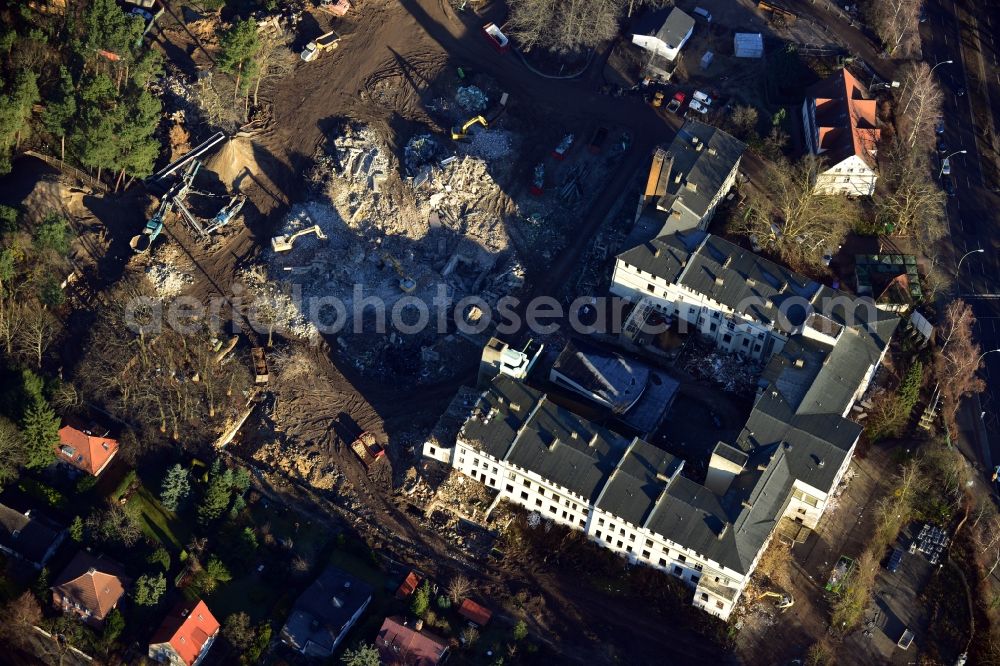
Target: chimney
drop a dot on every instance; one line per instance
(821, 463)
(515, 407)
(722, 532)
(656, 252)
(660, 476)
(718, 280)
(699, 146)
(746, 505)
(693, 187)
(751, 282)
(800, 362)
(552, 444)
(678, 177)
(593, 440)
(713, 152)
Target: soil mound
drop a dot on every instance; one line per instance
(233, 160)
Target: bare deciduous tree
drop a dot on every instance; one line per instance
(910, 203)
(564, 26)
(458, 588)
(956, 363)
(36, 333)
(896, 24)
(791, 219)
(11, 450)
(918, 104)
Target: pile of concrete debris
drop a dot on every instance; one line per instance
(169, 271)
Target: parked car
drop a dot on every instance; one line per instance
(961, 92)
(942, 146)
(949, 185)
(895, 560)
(676, 102)
(939, 128)
(703, 98)
(142, 13)
(495, 37)
(703, 13)
(946, 167)
(698, 106)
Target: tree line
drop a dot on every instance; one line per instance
(79, 84)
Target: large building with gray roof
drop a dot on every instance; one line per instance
(630, 496)
(687, 180)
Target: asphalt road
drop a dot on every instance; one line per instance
(965, 32)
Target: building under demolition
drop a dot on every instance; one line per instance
(629, 496)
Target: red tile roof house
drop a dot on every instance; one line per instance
(402, 645)
(185, 636)
(86, 449)
(475, 613)
(409, 585)
(841, 124)
(89, 588)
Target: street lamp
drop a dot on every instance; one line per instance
(943, 62)
(984, 354)
(957, 152)
(959, 267)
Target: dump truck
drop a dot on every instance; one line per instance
(367, 449)
(327, 42)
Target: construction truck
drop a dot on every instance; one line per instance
(284, 243)
(327, 42)
(367, 449)
(462, 132)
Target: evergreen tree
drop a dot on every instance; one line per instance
(215, 572)
(76, 529)
(114, 625)
(40, 430)
(240, 45)
(365, 654)
(15, 108)
(107, 27)
(176, 488)
(160, 556)
(52, 234)
(149, 589)
(61, 107)
(421, 600)
(217, 495)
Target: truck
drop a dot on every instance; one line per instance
(326, 42)
(367, 450)
(676, 102)
(495, 37)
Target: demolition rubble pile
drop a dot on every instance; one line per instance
(275, 307)
(440, 234)
(169, 271)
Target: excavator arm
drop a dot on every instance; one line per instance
(463, 132)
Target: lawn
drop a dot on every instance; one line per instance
(156, 522)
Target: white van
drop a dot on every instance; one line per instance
(703, 13)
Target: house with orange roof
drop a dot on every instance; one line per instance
(86, 448)
(89, 588)
(185, 636)
(841, 126)
(400, 644)
(474, 612)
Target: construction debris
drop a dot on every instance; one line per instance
(472, 99)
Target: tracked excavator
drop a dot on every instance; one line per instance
(142, 242)
(458, 133)
(783, 603)
(406, 283)
(284, 243)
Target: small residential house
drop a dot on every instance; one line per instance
(663, 34)
(28, 536)
(891, 280)
(185, 636)
(400, 644)
(687, 180)
(409, 585)
(475, 613)
(89, 588)
(87, 448)
(841, 125)
(325, 612)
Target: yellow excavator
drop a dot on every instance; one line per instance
(406, 283)
(783, 603)
(284, 243)
(458, 133)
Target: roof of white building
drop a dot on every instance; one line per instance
(670, 26)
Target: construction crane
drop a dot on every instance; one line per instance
(406, 283)
(284, 243)
(459, 133)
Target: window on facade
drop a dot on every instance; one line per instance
(746, 343)
(628, 549)
(645, 554)
(511, 475)
(727, 338)
(598, 534)
(527, 484)
(586, 511)
(608, 538)
(650, 288)
(681, 558)
(756, 348)
(524, 495)
(432, 450)
(564, 515)
(619, 543)
(510, 488)
(538, 502)
(621, 531)
(695, 579)
(475, 462)
(495, 470)
(663, 562)
(718, 604)
(583, 523)
(553, 509)
(600, 521)
(698, 567)
(704, 597)
(649, 543)
(802, 511)
(631, 537)
(712, 328)
(677, 570)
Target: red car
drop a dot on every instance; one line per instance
(496, 38)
